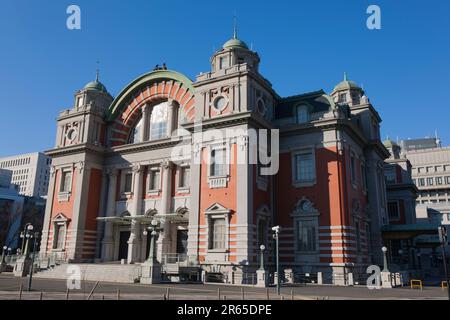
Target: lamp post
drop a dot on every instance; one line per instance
(385, 264)
(22, 236)
(28, 236)
(154, 230)
(35, 236)
(276, 233)
(261, 264)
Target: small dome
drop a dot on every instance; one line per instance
(96, 86)
(235, 43)
(346, 85)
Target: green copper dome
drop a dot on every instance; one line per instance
(96, 86)
(346, 85)
(235, 43)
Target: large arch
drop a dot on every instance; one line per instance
(149, 88)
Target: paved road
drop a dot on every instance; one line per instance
(56, 289)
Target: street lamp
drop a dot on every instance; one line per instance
(276, 233)
(385, 264)
(262, 248)
(35, 236)
(154, 230)
(28, 235)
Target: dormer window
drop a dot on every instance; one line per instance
(302, 114)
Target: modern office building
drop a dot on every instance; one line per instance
(30, 173)
(180, 152)
(431, 174)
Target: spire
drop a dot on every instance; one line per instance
(234, 27)
(345, 76)
(97, 72)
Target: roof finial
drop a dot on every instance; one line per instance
(345, 76)
(234, 27)
(97, 72)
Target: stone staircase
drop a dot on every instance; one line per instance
(94, 272)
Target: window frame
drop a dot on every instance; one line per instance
(397, 204)
(306, 109)
(298, 183)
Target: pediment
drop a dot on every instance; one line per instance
(217, 208)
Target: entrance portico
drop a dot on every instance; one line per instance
(174, 236)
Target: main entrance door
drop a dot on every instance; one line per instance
(123, 244)
(182, 237)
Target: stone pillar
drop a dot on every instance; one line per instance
(165, 237)
(108, 241)
(386, 280)
(171, 117)
(262, 278)
(145, 124)
(319, 278)
(135, 235)
(48, 211)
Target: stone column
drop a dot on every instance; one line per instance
(135, 235)
(166, 196)
(145, 123)
(48, 211)
(171, 117)
(108, 241)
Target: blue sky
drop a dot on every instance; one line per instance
(304, 46)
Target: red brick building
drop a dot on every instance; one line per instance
(114, 159)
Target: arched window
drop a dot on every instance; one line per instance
(158, 121)
(302, 114)
(135, 136)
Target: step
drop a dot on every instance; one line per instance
(95, 272)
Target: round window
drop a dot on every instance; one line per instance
(261, 106)
(71, 134)
(220, 103)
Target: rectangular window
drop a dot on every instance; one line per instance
(128, 182)
(439, 181)
(223, 61)
(342, 97)
(184, 177)
(430, 181)
(363, 175)
(304, 167)
(306, 241)
(60, 233)
(217, 234)
(352, 169)
(218, 163)
(155, 178)
(447, 180)
(421, 182)
(394, 212)
(66, 180)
